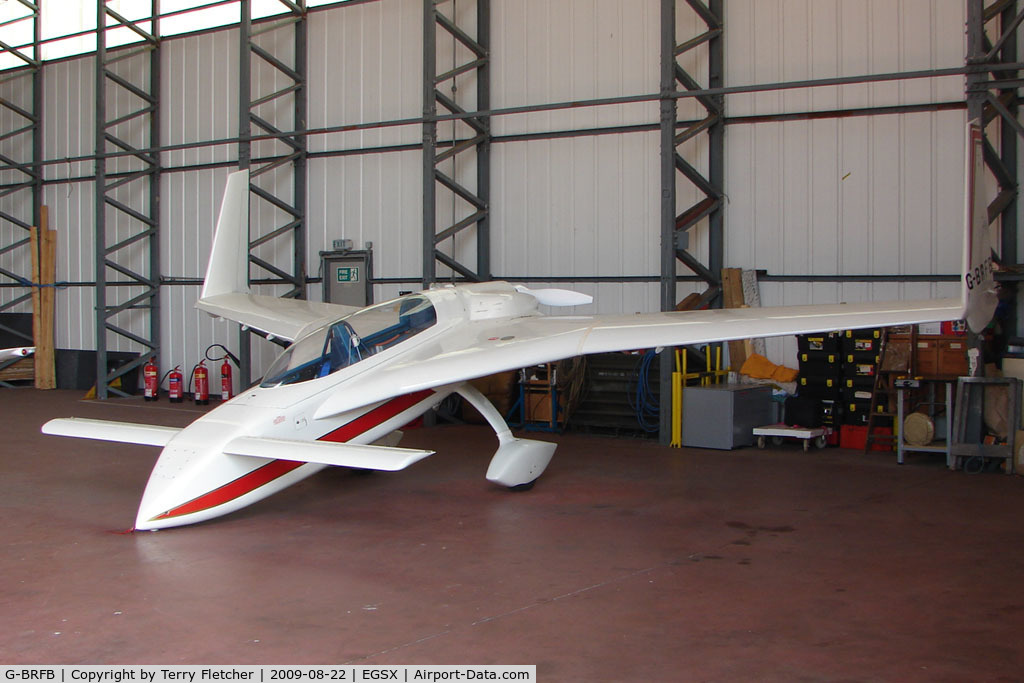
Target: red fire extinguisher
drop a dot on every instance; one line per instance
(151, 380)
(226, 386)
(201, 377)
(174, 387)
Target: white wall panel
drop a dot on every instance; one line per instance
(17, 92)
(366, 65)
(879, 195)
(69, 96)
(199, 96)
(770, 41)
(547, 52)
(372, 198)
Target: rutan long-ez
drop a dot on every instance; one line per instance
(352, 377)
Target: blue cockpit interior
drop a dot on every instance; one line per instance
(351, 339)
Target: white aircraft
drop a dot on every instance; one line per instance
(352, 377)
(16, 352)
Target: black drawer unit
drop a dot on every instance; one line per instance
(860, 341)
(828, 342)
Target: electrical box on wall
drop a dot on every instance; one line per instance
(347, 276)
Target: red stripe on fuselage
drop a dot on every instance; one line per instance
(365, 423)
(278, 468)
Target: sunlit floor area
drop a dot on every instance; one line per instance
(627, 561)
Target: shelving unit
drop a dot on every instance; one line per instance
(904, 389)
(610, 381)
(536, 408)
(968, 427)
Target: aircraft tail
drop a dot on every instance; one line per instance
(228, 270)
(979, 286)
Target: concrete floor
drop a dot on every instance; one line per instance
(628, 561)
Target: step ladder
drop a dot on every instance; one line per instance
(884, 389)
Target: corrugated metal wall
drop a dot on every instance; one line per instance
(875, 195)
(858, 195)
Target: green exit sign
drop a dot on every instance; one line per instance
(347, 274)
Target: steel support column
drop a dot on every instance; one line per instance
(23, 138)
(676, 226)
(448, 165)
(127, 241)
(277, 165)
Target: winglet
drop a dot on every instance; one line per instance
(228, 270)
(979, 286)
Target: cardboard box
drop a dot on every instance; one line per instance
(941, 356)
(538, 407)
(952, 357)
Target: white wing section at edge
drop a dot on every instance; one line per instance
(226, 291)
(16, 352)
(107, 430)
(326, 453)
(482, 348)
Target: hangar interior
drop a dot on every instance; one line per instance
(633, 150)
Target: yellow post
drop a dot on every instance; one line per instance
(677, 404)
(677, 410)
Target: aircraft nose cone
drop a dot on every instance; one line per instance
(168, 487)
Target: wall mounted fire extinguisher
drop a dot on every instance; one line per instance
(227, 389)
(201, 377)
(151, 380)
(175, 390)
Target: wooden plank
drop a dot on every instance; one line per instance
(37, 308)
(23, 369)
(44, 243)
(732, 297)
(45, 355)
(752, 298)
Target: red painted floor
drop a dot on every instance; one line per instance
(628, 561)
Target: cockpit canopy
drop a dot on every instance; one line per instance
(351, 339)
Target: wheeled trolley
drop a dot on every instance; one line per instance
(780, 432)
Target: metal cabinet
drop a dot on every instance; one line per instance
(724, 415)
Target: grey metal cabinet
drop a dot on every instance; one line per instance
(724, 415)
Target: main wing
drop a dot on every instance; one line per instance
(226, 287)
(475, 349)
